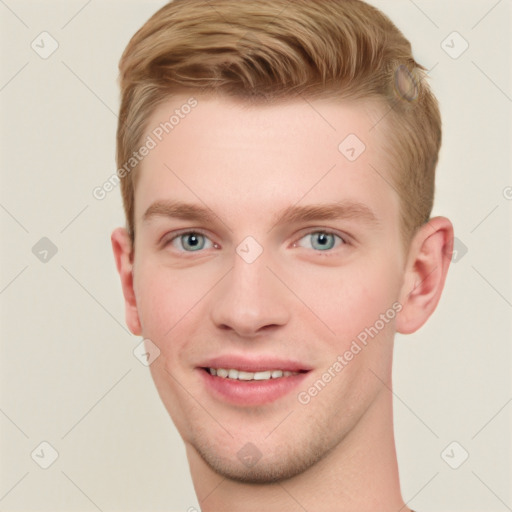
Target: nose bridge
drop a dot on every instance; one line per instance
(250, 264)
(249, 297)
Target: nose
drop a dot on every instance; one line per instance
(250, 300)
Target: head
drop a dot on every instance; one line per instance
(302, 156)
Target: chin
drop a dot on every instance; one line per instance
(251, 465)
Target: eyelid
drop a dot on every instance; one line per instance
(322, 229)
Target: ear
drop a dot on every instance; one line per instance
(429, 257)
(123, 254)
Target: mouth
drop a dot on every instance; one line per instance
(235, 374)
(249, 384)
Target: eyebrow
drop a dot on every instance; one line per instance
(179, 210)
(329, 211)
(290, 215)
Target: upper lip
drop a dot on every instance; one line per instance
(254, 364)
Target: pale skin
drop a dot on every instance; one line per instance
(297, 301)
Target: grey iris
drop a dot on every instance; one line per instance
(325, 240)
(192, 241)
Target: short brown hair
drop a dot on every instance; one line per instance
(276, 49)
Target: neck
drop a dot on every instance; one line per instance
(359, 474)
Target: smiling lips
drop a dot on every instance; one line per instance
(243, 375)
(246, 382)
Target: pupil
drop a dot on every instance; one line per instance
(323, 238)
(193, 240)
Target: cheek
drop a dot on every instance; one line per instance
(348, 301)
(167, 297)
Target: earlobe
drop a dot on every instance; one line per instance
(425, 274)
(123, 254)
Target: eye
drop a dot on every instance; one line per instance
(191, 241)
(320, 241)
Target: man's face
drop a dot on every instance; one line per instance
(249, 289)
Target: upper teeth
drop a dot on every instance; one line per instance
(241, 375)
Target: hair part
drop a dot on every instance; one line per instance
(271, 50)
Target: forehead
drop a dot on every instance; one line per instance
(253, 159)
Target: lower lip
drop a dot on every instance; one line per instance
(252, 392)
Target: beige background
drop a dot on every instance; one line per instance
(68, 375)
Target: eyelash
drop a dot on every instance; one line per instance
(328, 252)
